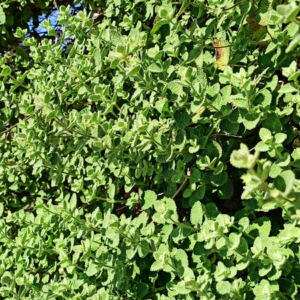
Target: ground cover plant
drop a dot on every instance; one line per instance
(151, 150)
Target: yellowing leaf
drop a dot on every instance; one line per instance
(222, 53)
(256, 30)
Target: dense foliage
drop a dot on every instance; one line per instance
(153, 153)
(27, 15)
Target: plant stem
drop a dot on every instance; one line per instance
(211, 131)
(242, 2)
(9, 129)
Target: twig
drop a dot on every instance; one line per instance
(180, 188)
(161, 194)
(214, 136)
(7, 2)
(260, 76)
(211, 131)
(182, 185)
(225, 134)
(55, 4)
(120, 208)
(183, 8)
(242, 2)
(28, 207)
(9, 129)
(233, 65)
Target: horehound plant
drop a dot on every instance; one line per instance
(153, 154)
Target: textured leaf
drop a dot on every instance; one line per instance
(265, 134)
(197, 214)
(250, 120)
(288, 12)
(150, 197)
(256, 30)
(288, 88)
(264, 98)
(158, 25)
(285, 181)
(222, 53)
(194, 54)
(226, 190)
(22, 58)
(223, 287)
(182, 119)
(141, 289)
(2, 16)
(92, 270)
(229, 127)
(155, 68)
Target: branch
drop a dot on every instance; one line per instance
(182, 185)
(260, 76)
(9, 129)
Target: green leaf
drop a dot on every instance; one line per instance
(229, 127)
(195, 175)
(121, 49)
(22, 58)
(92, 270)
(158, 25)
(6, 71)
(288, 88)
(285, 182)
(262, 147)
(263, 98)
(242, 158)
(272, 123)
(279, 138)
(134, 71)
(50, 116)
(220, 179)
(288, 12)
(180, 139)
(155, 68)
(250, 120)
(296, 157)
(83, 90)
(182, 118)
(261, 226)
(156, 266)
(141, 290)
(111, 191)
(175, 90)
(6, 114)
(265, 134)
(187, 193)
(226, 190)
(264, 269)
(115, 63)
(194, 54)
(197, 214)
(239, 101)
(264, 290)
(294, 43)
(213, 149)
(150, 198)
(2, 16)
(223, 287)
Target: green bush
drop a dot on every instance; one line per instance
(153, 154)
